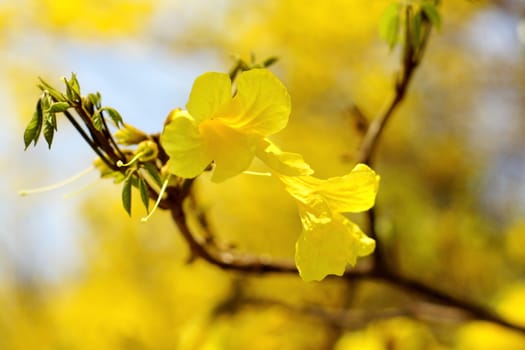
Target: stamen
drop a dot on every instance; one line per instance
(83, 188)
(121, 164)
(56, 185)
(159, 198)
(256, 173)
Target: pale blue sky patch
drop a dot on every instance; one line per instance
(142, 80)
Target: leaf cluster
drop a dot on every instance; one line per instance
(408, 22)
(143, 176)
(242, 66)
(53, 102)
(90, 118)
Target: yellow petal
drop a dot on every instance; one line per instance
(231, 150)
(286, 163)
(261, 105)
(184, 145)
(210, 95)
(328, 244)
(353, 192)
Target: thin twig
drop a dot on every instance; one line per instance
(474, 310)
(376, 128)
(411, 58)
(88, 140)
(109, 137)
(226, 259)
(101, 137)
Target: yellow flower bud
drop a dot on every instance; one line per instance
(130, 135)
(102, 167)
(148, 150)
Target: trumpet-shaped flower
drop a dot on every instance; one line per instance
(231, 131)
(224, 129)
(329, 241)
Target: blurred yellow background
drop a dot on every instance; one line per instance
(77, 273)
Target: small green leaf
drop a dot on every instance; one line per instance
(88, 105)
(126, 195)
(44, 85)
(390, 24)
(34, 128)
(115, 116)
(97, 119)
(58, 107)
(95, 99)
(269, 61)
(74, 84)
(46, 101)
(50, 126)
(432, 13)
(57, 95)
(118, 177)
(144, 195)
(72, 88)
(69, 92)
(152, 170)
(134, 181)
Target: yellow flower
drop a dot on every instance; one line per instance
(224, 129)
(231, 131)
(284, 163)
(329, 241)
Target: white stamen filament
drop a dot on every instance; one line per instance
(159, 198)
(83, 188)
(58, 184)
(120, 163)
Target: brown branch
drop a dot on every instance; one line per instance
(343, 319)
(474, 310)
(350, 318)
(245, 263)
(371, 139)
(223, 258)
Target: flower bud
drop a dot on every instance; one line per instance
(148, 150)
(102, 167)
(130, 135)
